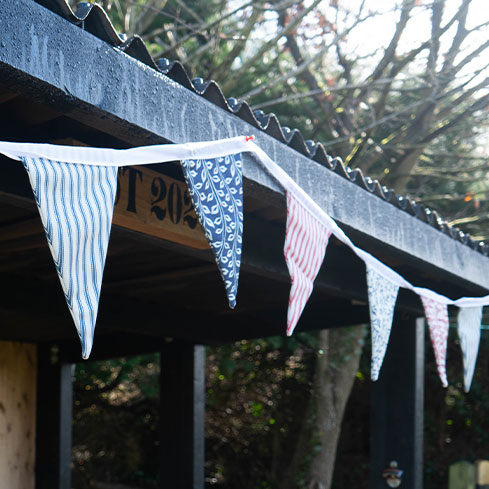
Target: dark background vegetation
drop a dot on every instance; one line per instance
(256, 405)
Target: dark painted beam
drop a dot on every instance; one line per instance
(54, 418)
(397, 405)
(339, 299)
(182, 416)
(40, 56)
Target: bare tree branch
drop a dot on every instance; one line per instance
(266, 46)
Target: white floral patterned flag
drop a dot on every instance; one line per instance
(437, 317)
(216, 188)
(469, 332)
(382, 296)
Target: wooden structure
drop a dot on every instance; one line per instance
(60, 83)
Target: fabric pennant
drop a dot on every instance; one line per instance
(76, 203)
(437, 317)
(305, 246)
(216, 188)
(469, 333)
(382, 296)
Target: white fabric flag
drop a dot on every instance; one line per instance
(469, 332)
(382, 296)
(76, 203)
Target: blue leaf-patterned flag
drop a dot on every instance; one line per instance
(216, 189)
(382, 296)
(469, 332)
(76, 203)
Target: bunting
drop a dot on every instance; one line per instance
(216, 188)
(469, 333)
(437, 317)
(382, 296)
(76, 204)
(306, 239)
(74, 188)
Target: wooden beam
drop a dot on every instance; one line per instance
(397, 405)
(22, 235)
(155, 204)
(185, 273)
(182, 418)
(158, 205)
(54, 420)
(6, 95)
(32, 113)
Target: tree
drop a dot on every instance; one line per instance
(396, 110)
(411, 112)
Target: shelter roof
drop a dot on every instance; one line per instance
(72, 73)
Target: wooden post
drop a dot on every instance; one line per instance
(397, 405)
(54, 415)
(182, 416)
(17, 414)
(482, 474)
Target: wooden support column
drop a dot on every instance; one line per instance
(397, 406)
(17, 414)
(54, 420)
(182, 416)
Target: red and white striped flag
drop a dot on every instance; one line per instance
(306, 239)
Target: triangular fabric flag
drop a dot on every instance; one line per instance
(216, 189)
(306, 239)
(437, 317)
(382, 296)
(469, 333)
(76, 203)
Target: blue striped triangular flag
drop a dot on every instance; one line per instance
(76, 203)
(469, 332)
(216, 189)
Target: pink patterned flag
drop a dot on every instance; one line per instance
(306, 239)
(437, 317)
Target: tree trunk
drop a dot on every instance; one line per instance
(337, 363)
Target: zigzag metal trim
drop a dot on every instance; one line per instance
(94, 19)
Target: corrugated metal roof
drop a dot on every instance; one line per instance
(93, 19)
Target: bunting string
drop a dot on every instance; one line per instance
(226, 180)
(290, 185)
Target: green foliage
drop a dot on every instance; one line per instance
(456, 424)
(257, 401)
(115, 422)
(255, 391)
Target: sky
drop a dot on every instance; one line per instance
(377, 31)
